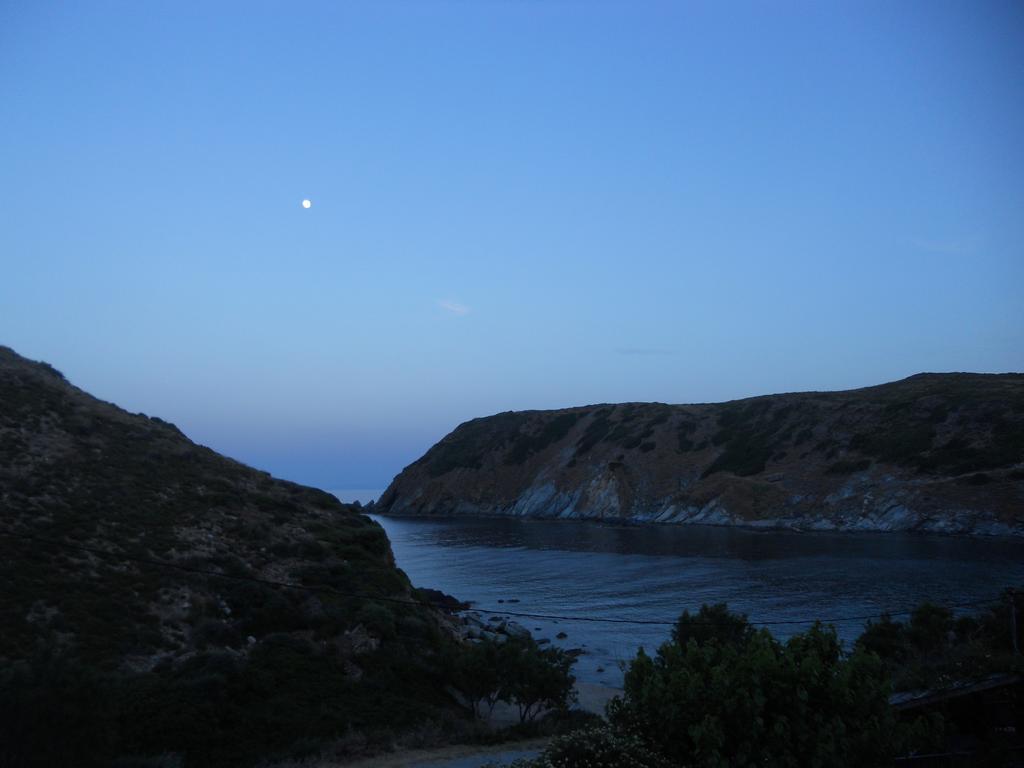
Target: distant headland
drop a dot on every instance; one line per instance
(940, 452)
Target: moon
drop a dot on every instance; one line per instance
(306, 203)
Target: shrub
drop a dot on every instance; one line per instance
(848, 466)
(887, 639)
(216, 632)
(735, 696)
(475, 672)
(556, 429)
(377, 618)
(712, 623)
(930, 628)
(535, 678)
(599, 426)
(934, 649)
(596, 746)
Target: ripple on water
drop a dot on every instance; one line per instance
(578, 569)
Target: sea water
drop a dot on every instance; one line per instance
(641, 574)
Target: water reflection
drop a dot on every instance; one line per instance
(695, 540)
(579, 569)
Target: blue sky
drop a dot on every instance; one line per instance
(516, 204)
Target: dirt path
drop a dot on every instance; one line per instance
(591, 697)
(456, 756)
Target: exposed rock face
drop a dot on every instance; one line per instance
(934, 452)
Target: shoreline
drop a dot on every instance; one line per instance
(594, 697)
(439, 756)
(776, 525)
(591, 697)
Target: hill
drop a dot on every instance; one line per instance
(934, 452)
(142, 611)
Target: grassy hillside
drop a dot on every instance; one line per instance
(934, 444)
(140, 609)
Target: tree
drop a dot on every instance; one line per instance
(712, 622)
(476, 673)
(930, 628)
(735, 696)
(535, 678)
(885, 638)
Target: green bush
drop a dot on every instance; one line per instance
(554, 430)
(930, 628)
(847, 467)
(934, 649)
(377, 618)
(517, 671)
(885, 638)
(596, 746)
(535, 678)
(599, 426)
(738, 697)
(712, 623)
(471, 440)
(476, 672)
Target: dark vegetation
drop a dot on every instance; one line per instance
(285, 697)
(912, 418)
(164, 605)
(900, 423)
(108, 657)
(554, 430)
(521, 436)
(722, 693)
(744, 434)
(595, 745)
(739, 697)
(465, 447)
(684, 434)
(935, 649)
(635, 425)
(848, 466)
(949, 424)
(216, 707)
(517, 671)
(599, 426)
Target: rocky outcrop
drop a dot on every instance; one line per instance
(934, 452)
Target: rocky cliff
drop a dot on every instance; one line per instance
(934, 452)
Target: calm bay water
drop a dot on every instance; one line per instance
(585, 569)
